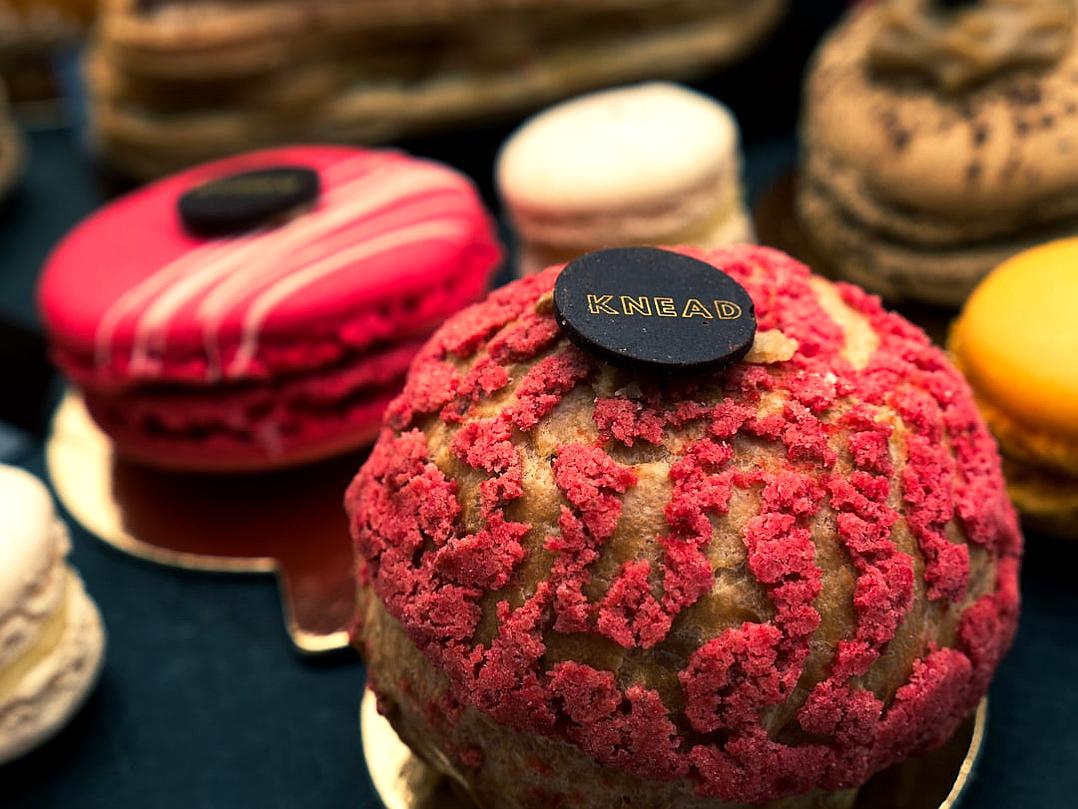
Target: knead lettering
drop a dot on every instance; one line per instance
(659, 306)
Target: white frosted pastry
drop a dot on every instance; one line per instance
(51, 638)
(653, 163)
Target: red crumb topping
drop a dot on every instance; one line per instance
(836, 451)
(616, 728)
(591, 482)
(630, 615)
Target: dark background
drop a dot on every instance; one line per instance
(204, 703)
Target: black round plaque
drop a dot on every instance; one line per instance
(240, 202)
(654, 310)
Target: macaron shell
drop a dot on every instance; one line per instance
(894, 269)
(50, 694)
(29, 541)
(235, 428)
(1017, 339)
(690, 216)
(1024, 443)
(617, 148)
(132, 293)
(735, 228)
(352, 428)
(1002, 147)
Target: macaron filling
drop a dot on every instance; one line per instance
(44, 640)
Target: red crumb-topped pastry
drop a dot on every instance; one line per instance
(585, 587)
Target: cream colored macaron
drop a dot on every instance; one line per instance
(653, 163)
(51, 638)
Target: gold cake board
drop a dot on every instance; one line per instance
(289, 523)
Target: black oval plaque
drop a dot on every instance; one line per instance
(239, 202)
(654, 310)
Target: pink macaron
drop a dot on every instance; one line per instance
(261, 311)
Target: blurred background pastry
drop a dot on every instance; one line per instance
(51, 638)
(29, 25)
(939, 139)
(261, 311)
(178, 82)
(11, 147)
(654, 163)
(582, 585)
(30, 32)
(1017, 343)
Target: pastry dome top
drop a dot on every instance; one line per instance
(783, 576)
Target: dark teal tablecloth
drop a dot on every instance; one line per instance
(203, 702)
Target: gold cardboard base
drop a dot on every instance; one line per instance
(935, 780)
(290, 523)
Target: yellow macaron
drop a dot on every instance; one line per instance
(1017, 343)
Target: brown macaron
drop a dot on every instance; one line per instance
(920, 178)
